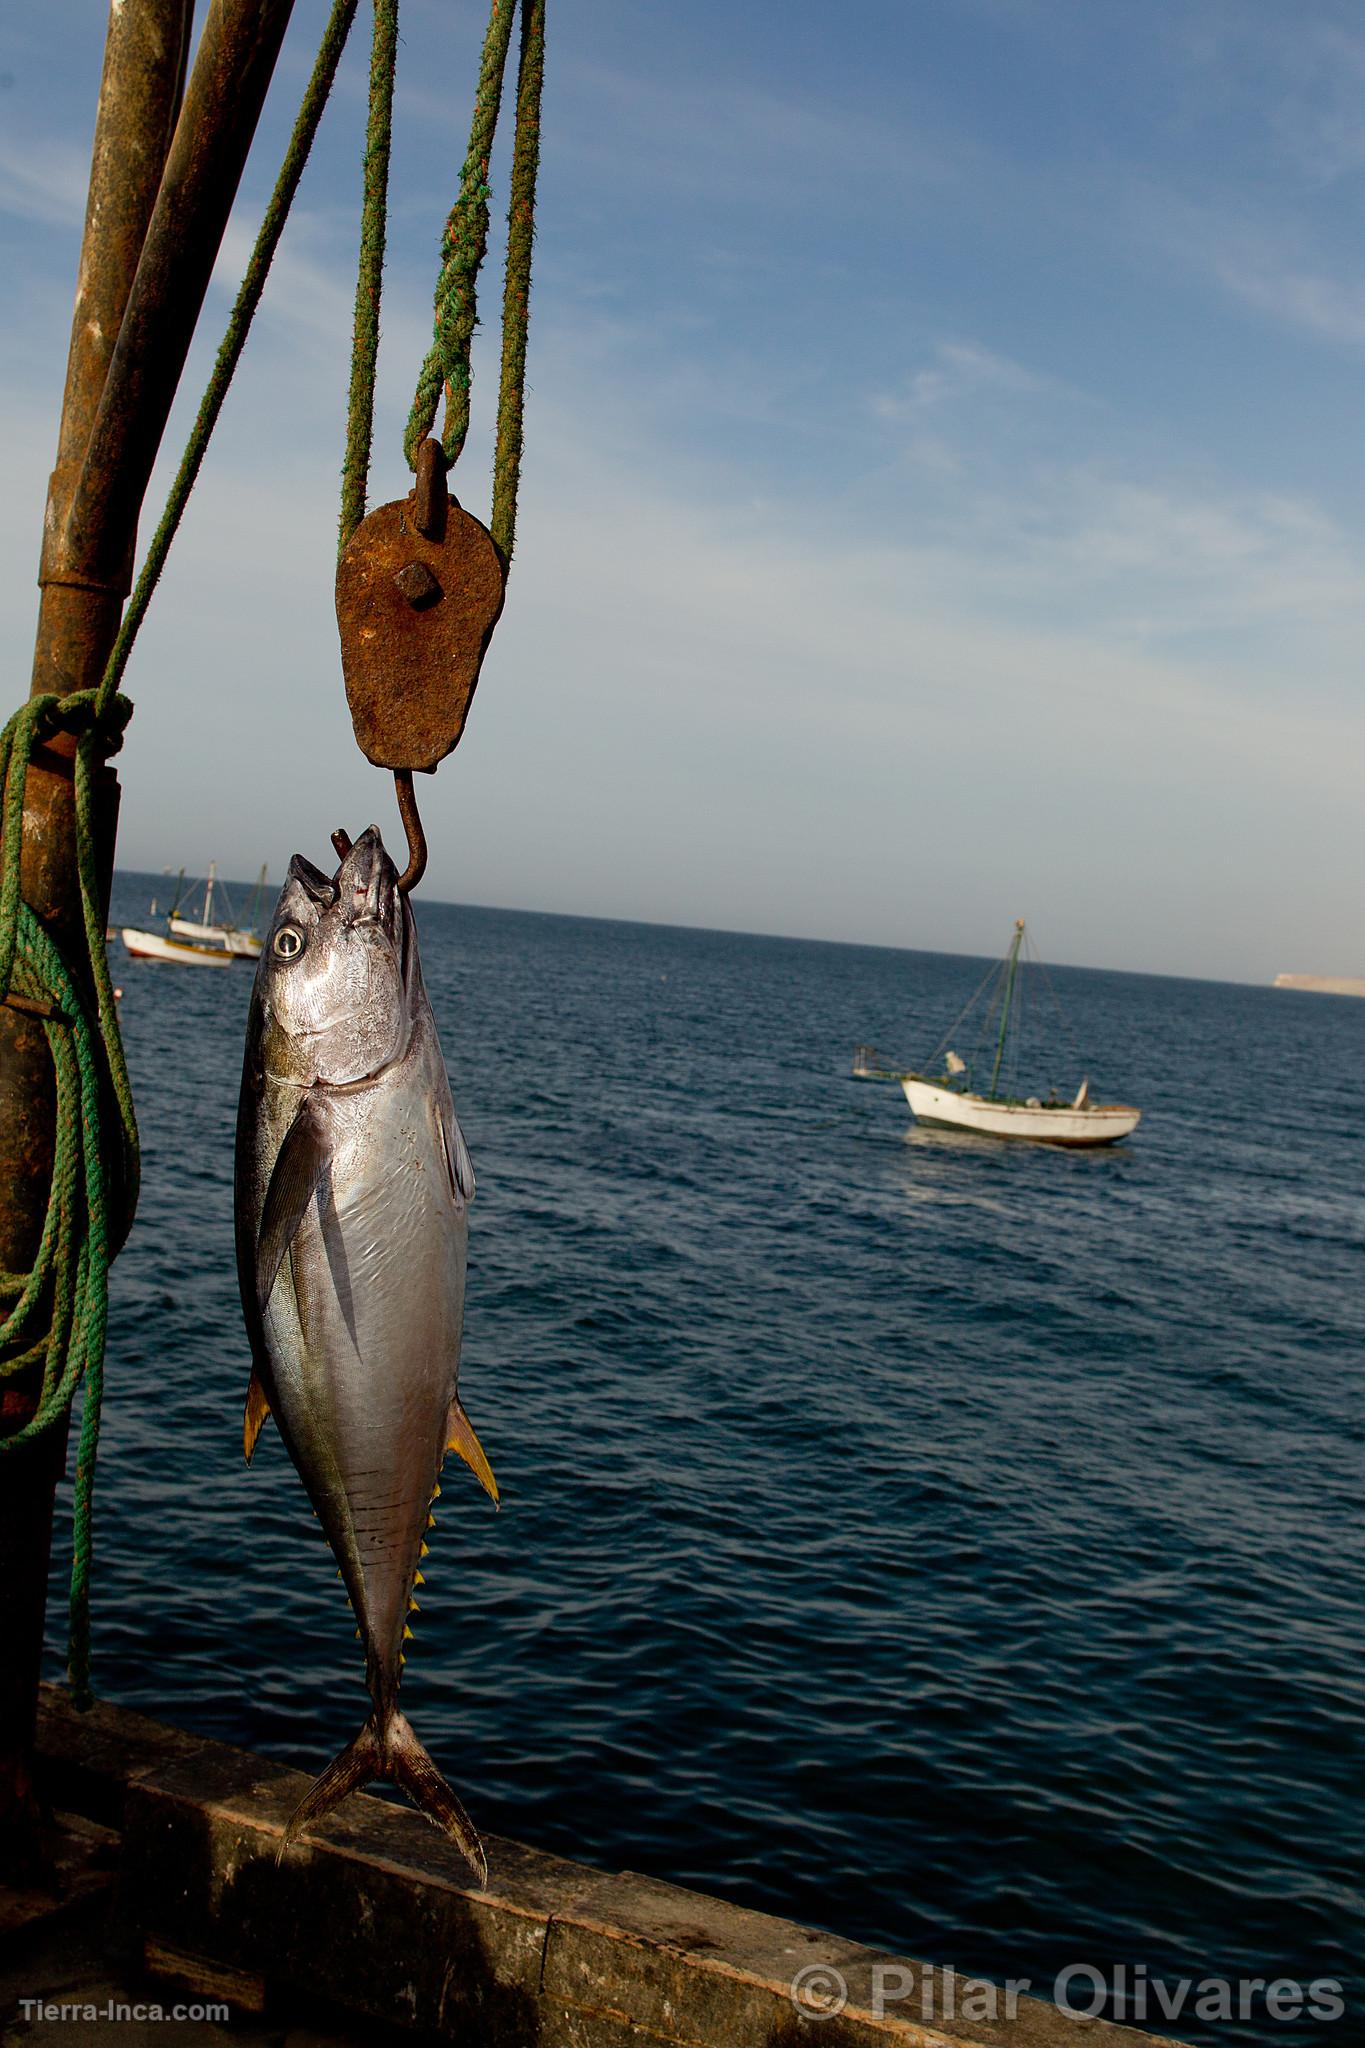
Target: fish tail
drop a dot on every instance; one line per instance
(360, 1763)
(398, 1756)
(412, 1768)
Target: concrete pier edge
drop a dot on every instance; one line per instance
(376, 1919)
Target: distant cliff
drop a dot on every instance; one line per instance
(1325, 984)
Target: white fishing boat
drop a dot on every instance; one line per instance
(154, 946)
(947, 1101)
(196, 942)
(206, 931)
(1046, 1123)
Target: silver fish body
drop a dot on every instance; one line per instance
(353, 1184)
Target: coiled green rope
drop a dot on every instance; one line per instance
(94, 1186)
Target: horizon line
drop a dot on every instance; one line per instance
(783, 938)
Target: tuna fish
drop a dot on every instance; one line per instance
(353, 1182)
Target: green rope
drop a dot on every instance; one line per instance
(521, 220)
(369, 282)
(462, 252)
(93, 1193)
(234, 338)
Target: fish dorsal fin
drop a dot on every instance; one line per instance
(257, 1408)
(460, 1437)
(304, 1158)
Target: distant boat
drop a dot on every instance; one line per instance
(946, 1101)
(1080, 1122)
(153, 946)
(197, 942)
(204, 931)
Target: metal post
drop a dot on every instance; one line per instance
(232, 70)
(163, 179)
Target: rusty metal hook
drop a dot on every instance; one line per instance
(412, 825)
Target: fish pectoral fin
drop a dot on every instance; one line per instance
(459, 1165)
(464, 1165)
(460, 1437)
(257, 1408)
(304, 1159)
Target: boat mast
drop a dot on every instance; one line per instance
(1009, 997)
(208, 894)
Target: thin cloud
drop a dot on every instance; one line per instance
(1120, 568)
(43, 182)
(963, 369)
(1330, 307)
(1292, 77)
(1265, 262)
(724, 140)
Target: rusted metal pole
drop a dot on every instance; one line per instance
(145, 53)
(232, 70)
(163, 178)
(140, 92)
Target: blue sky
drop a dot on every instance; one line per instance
(942, 501)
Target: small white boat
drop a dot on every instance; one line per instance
(946, 1101)
(201, 941)
(204, 931)
(153, 946)
(1084, 1123)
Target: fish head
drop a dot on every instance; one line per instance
(335, 975)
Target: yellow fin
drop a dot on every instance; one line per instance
(417, 1578)
(257, 1408)
(407, 1633)
(460, 1437)
(425, 1551)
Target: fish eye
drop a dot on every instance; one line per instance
(288, 942)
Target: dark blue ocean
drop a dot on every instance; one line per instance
(956, 1546)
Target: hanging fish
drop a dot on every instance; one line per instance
(353, 1182)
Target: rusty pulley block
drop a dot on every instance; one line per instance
(419, 590)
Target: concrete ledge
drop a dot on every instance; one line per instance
(376, 1918)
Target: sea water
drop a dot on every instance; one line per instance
(953, 1545)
